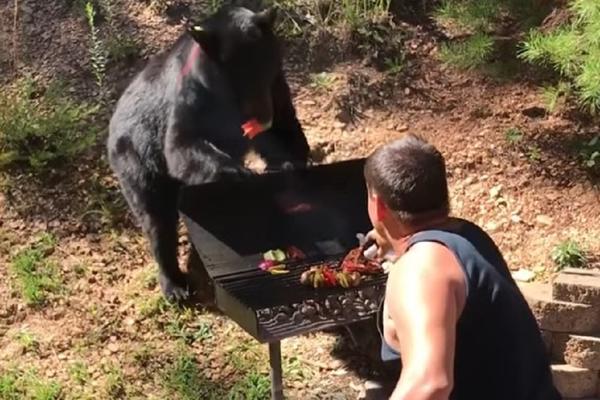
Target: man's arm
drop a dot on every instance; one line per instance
(425, 294)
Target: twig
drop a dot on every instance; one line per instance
(15, 20)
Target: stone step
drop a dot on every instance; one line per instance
(578, 351)
(578, 286)
(573, 382)
(559, 316)
(583, 352)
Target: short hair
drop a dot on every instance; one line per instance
(409, 175)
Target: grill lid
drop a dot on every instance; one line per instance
(319, 210)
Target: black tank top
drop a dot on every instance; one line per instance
(499, 353)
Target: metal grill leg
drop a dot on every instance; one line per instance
(276, 378)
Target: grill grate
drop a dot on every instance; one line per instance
(283, 307)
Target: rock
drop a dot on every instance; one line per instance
(516, 219)
(574, 382)
(577, 285)
(523, 275)
(113, 347)
(470, 180)
(534, 112)
(491, 226)
(402, 128)
(543, 220)
(559, 316)
(495, 191)
(583, 352)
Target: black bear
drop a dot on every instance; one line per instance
(190, 117)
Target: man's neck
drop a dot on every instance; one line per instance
(400, 241)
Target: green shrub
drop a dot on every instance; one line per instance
(295, 15)
(573, 51)
(590, 152)
(121, 48)
(568, 254)
(487, 26)
(39, 126)
(468, 54)
(97, 50)
(357, 12)
(471, 14)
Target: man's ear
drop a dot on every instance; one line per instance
(381, 209)
(266, 17)
(207, 39)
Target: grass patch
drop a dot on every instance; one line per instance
(246, 355)
(9, 389)
(471, 53)
(18, 385)
(322, 81)
(395, 65)
(534, 153)
(254, 386)
(513, 135)
(115, 382)
(142, 355)
(184, 380)
(188, 333)
(300, 16)
(36, 275)
(79, 372)
(27, 340)
(296, 370)
(185, 324)
(568, 254)
(153, 306)
(41, 125)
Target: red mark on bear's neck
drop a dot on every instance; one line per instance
(189, 63)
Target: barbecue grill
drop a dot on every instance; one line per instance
(319, 210)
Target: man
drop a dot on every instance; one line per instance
(452, 313)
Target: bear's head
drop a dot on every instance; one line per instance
(244, 46)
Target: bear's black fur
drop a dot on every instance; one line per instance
(179, 122)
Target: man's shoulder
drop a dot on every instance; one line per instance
(427, 259)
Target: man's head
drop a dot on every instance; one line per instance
(407, 187)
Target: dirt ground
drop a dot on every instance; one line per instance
(108, 334)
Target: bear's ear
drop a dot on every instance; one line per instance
(207, 39)
(266, 17)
